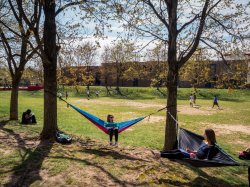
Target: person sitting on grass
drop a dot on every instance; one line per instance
(28, 117)
(206, 151)
(113, 129)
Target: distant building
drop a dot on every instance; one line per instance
(105, 74)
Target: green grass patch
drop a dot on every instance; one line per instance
(231, 125)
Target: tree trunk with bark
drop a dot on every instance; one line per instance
(50, 78)
(172, 78)
(171, 126)
(14, 101)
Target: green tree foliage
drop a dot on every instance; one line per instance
(120, 54)
(196, 70)
(158, 67)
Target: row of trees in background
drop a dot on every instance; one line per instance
(29, 30)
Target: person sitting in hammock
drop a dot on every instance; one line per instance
(113, 129)
(206, 151)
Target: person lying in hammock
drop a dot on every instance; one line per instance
(206, 151)
(113, 129)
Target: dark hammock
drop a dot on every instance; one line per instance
(101, 123)
(192, 141)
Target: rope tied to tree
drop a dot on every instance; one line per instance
(166, 107)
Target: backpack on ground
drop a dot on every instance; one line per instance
(63, 138)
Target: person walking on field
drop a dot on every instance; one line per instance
(66, 95)
(191, 100)
(88, 94)
(215, 102)
(194, 96)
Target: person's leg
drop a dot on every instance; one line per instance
(116, 136)
(33, 119)
(30, 120)
(110, 135)
(174, 154)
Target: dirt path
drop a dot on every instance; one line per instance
(182, 109)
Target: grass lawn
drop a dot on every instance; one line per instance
(89, 160)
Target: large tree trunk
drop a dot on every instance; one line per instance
(171, 126)
(14, 101)
(172, 78)
(50, 64)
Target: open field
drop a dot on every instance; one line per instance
(89, 160)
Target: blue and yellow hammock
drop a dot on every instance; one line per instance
(101, 123)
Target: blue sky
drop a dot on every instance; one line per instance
(70, 17)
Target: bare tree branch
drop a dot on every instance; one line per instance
(148, 2)
(188, 23)
(221, 54)
(69, 5)
(198, 34)
(224, 27)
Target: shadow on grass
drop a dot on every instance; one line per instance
(203, 179)
(3, 122)
(27, 172)
(99, 178)
(21, 144)
(116, 155)
(105, 151)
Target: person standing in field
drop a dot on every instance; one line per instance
(191, 100)
(97, 93)
(88, 94)
(215, 102)
(113, 129)
(59, 95)
(194, 96)
(66, 95)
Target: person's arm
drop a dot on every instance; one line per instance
(27, 116)
(202, 152)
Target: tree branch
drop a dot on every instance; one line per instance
(224, 27)
(221, 54)
(157, 14)
(69, 5)
(10, 29)
(198, 34)
(8, 52)
(188, 23)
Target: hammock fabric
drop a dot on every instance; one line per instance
(192, 141)
(101, 123)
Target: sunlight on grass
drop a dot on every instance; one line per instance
(231, 125)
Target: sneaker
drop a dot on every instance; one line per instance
(110, 143)
(116, 144)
